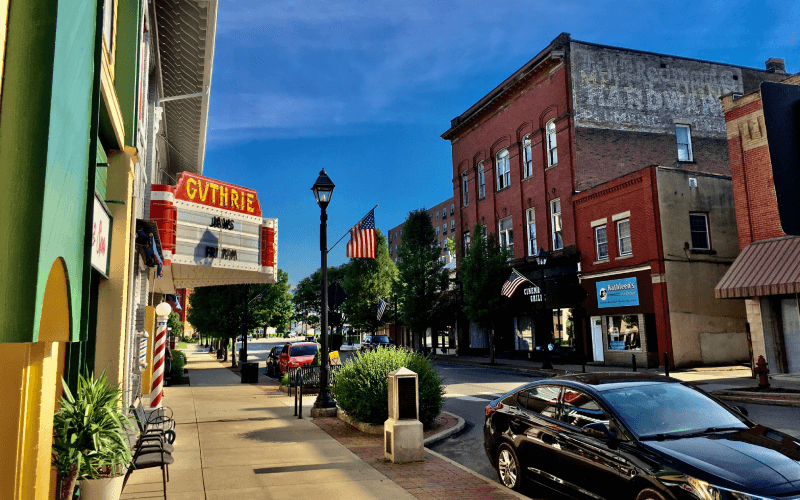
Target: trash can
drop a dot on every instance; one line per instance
(249, 373)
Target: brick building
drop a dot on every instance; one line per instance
(767, 272)
(444, 223)
(566, 127)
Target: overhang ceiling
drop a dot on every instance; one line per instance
(186, 32)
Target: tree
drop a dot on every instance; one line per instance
(483, 271)
(307, 299)
(275, 308)
(365, 281)
(421, 282)
(174, 322)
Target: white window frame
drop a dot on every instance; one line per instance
(481, 182)
(527, 157)
(437, 230)
(599, 242)
(706, 232)
(503, 169)
(465, 189)
(551, 143)
(444, 213)
(444, 228)
(557, 236)
(684, 146)
(530, 218)
(467, 241)
(453, 225)
(621, 238)
(452, 209)
(506, 236)
(437, 215)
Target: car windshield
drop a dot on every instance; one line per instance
(303, 350)
(669, 410)
(383, 339)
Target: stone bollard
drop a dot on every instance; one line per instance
(402, 432)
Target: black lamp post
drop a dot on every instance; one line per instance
(541, 259)
(323, 189)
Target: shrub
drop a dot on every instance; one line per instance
(361, 386)
(178, 362)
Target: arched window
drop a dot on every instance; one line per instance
(552, 154)
(481, 182)
(503, 170)
(527, 158)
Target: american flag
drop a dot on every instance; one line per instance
(513, 281)
(381, 308)
(362, 238)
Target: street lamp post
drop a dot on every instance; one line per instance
(541, 259)
(325, 405)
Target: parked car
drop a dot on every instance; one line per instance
(371, 342)
(636, 437)
(272, 361)
(296, 354)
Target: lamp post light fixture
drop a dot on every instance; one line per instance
(541, 257)
(325, 405)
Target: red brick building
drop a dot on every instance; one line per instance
(444, 223)
(567, 133)
(767, 272)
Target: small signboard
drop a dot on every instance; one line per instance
(101, 236)
(617, 293)
(403, 395)
(334, 358)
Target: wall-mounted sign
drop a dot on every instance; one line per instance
(534, 292)
(617, 293)
(101, 233)
(201, 190)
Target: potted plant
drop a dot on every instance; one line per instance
(90, 439)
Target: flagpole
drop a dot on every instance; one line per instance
(348, 231)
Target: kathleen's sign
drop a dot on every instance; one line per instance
(617, 293)
(101, 230)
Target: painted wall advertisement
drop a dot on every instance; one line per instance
(101, 230)
(617, 293)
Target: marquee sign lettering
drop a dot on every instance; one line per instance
(215, 234)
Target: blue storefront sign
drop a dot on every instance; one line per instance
(617, 293)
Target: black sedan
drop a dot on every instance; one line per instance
(636, 437)
(272, 361)
(372, 342)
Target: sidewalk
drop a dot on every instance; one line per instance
(239, 440)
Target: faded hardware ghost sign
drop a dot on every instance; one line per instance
(617, 293)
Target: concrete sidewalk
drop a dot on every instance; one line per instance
(239, 440)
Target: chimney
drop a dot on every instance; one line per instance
(775, 65)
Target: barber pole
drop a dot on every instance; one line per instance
(160, 344)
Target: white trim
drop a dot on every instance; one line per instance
(623, 215)
(614, 273)
(658, 278)
(599, 222)
(162, 196)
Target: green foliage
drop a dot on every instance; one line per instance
(361, 386)
(90, 432)
(366, 281)
(307, 299)
(420, 277)
(174, 322)
(483, 271)
(178, 362)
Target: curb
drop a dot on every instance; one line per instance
(460, 424)
(757, 398)
(479, 476)
(536, 372)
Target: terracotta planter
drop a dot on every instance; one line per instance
(102, 489)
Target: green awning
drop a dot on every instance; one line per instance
(100, 158)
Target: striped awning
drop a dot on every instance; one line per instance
(770, 267)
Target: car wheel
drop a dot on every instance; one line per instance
(649, 494)
(508, 468)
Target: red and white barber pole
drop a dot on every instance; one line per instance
(159, 346)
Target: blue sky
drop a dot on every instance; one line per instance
(366, 88)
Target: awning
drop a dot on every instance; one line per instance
(769, 267)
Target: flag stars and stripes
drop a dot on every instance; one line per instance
(362, 238)
(513, 282)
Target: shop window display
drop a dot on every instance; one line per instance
(623, 333)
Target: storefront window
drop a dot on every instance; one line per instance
(623, 333)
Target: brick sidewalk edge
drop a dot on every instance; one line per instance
(446, 433)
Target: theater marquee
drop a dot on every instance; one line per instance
(215, 233)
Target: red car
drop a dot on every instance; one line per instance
(297, 354)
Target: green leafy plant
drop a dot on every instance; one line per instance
(178, 362)
(361, 386)
(90, 433)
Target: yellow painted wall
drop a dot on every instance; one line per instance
(112, 304)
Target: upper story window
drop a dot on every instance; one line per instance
(624, 237)
(444, 213)
(684, 137)
(437, 215)
(530, 215)
(452, 208)
(503, 170)
(506, 232)
(464, 189)
(527, 156)
(552, 150)
(437, 230)
(467, 241)
(444, 228)
(555, 224)
(601, 242)
(453, 225)
(481, 182)
(699, 227)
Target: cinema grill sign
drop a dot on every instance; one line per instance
(220, 236)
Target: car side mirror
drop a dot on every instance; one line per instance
(598, 430)
(741, 409)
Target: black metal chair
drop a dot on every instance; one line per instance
(147, 456)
